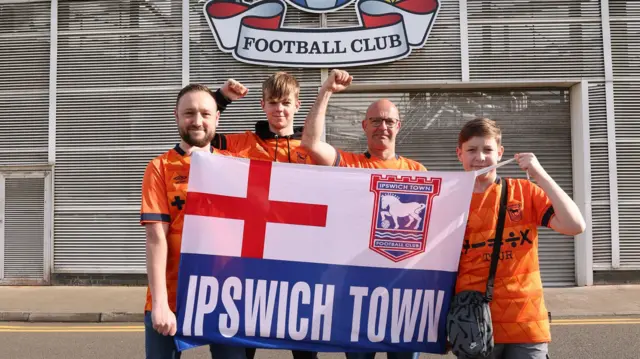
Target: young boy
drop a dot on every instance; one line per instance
(274, 139)
(519, 315)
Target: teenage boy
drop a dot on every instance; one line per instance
(519, 315)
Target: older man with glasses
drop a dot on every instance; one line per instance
(381, 125)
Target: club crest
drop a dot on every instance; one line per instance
(401, 215)
(515, 212)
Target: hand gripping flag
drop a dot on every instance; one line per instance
(276, 255)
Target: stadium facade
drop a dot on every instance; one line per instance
(87, 90)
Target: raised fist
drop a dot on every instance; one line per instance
(337, 81)
(233, 90)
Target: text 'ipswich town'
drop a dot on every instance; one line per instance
(252, 308)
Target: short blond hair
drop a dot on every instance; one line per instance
(280, 86)
(480, 127)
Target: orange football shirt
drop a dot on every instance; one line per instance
(518, 310)
(365, 160)
(249, 144)
(164, 192)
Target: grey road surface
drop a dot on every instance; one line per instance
(100, 341)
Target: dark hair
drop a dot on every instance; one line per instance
(195, 88)
(479, 127)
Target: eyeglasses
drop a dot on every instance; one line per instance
(377, 121)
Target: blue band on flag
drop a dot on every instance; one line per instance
(287, 305)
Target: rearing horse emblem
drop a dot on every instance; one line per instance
(394, 208)
(401, 214)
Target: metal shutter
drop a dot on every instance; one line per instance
(532, 120)
(24, 228)
(535, 39)
(209, 65)
(439, 59)
(627, 111)
(24, 82)
(119, 71)
(625, 49)
(625, 37)
(600, 201)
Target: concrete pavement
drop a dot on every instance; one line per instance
(125, 304)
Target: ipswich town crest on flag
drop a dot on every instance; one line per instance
(327, 259)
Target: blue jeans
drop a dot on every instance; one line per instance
(297, 354)
(390, 355)
(158, 346)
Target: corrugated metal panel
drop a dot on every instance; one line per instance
(535, 50)
(627, 110)
(621, 8)
(597, 113)
(601, 233)
(119, 72)
(531, 9)
(531, 120)
(24, 228)
(625, 35)
(625, 47)
(24, 127)
(629, 227)
(123, 43)
(97, 209)
(600, 211)
(24, 82)
(96, 119)
(213, 67)
(535, 39)
(439, 59)
(449, 11)
(24, 46)
(86, 246)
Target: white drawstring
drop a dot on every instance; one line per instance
(491, 168)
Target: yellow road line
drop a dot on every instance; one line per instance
(140, 328)
(137, 327)
(70, 331)
(591, 320)
(597, 323)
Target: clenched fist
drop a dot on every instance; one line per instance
(233, 90)
(529, 163)
(163, 320)
(337, 81)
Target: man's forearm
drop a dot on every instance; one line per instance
(321, 152)
(221, 100)
(314, 123)
(156, 268)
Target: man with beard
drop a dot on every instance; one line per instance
(164, 190)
